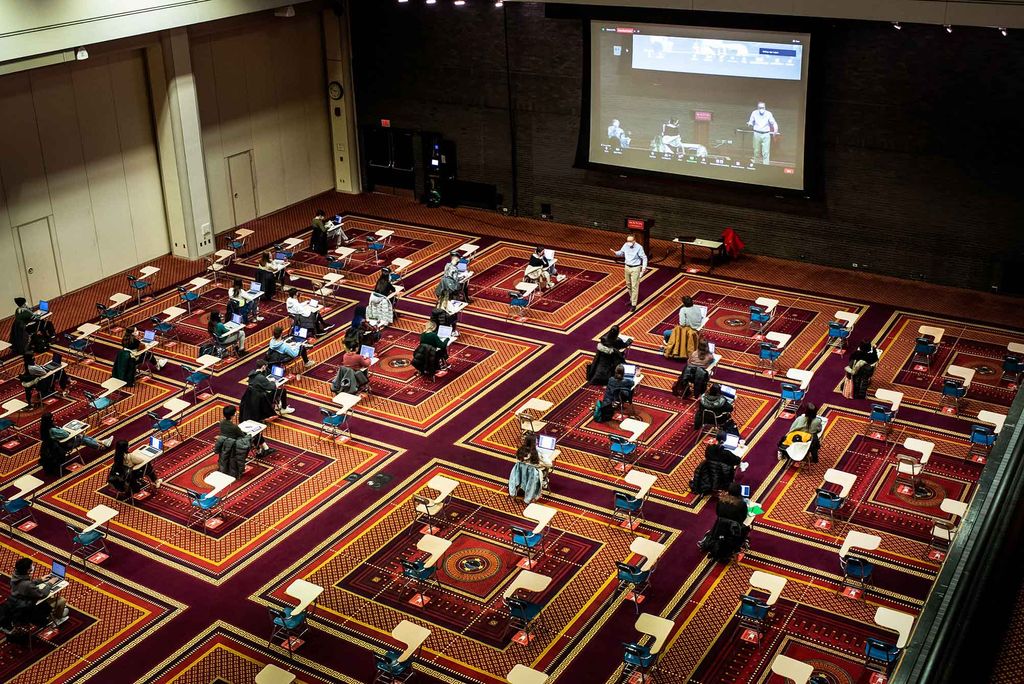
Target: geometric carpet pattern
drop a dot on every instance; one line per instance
(339, 512)
(587, 287)
(805, 317)
(275, 495)
(365, 588)
(670, 448)
(977, 347)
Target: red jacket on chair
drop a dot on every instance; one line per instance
(733, 244)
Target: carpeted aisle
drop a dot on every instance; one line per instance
(190, 604)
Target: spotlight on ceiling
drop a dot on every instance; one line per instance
(498, 3)
(402, 2)
(460, 3)
(431, 2)
(949, 29)
(81, 53)
(896, 25)
(1002, 30)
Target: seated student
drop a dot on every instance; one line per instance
(124, 476)
(695, 375)
(452, 284)
(35, 377)
(267, 260)
(215, 326)
(283, 351)
(682, 339)
(429, 336)
(440, 316)
(267, 277)
(619, 389)
(540, 269)
(809, 422)
(360, 332)
(717, 404)
(232, 445)
(237, 304)
(610, 354)
(528, 472)
(384, 286)
(358, 363)
(53, 450)
(132, 341)
(529, 452)
(731, 505)
(304, 315)
(717, 470)
(262, 398)
(27, 592)
(862, 365)
(728, 536)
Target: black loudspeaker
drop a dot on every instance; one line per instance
(545, 211)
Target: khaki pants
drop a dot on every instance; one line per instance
(633, 283)
(762, 147)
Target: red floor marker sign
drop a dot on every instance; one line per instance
(98, 557)
(823, 524)
(850, 592)
(751, 636)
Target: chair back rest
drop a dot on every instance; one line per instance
(89, 395)
(517, 607)
(982, 434)
(325, 413)
(131, 278)
(100, 307)
(826, 498)
(754, 608)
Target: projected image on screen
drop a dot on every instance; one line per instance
(712, 103)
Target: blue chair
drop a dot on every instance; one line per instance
(753, 613)
(952, 392)
(523, 615)
(188, 296)
(856, 570)
(85, 544)
(12, 507)
(80, 347)
(517, 304)
(137, 286)
(98, 404)
(633, 578)
(164, 329)
(880, 420)
(417, 572)
(6, 424)
(107, 314)
(390, 668)
(879, 655)
(838, 334)
(1013, 368)
(194, 379)
(285, 625)
(333, 425)
(759, 319)
(526, 543)
(376, 246)
(768, 354)
(636, 658)
(163, 425)
(621, 451)
(982, 439)
(629, 506)
(204, 507)
(286, 253)
(236, 245)
(924, 350)
(792, 396)
(827, 502)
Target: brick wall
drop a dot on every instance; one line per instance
(918, 136)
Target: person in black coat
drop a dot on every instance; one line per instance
(610, 354)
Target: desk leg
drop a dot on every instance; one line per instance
(682, 255)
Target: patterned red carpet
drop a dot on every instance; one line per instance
(182, 596)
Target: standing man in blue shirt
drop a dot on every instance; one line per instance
(636, 265)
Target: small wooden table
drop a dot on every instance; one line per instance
(272, 674)
(305, 592)
(100, 515)
(219, 481)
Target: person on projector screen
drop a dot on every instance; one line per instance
(636, 264)
(764, 126)
(670, 135)
(617, 135)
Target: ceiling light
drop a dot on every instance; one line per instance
(1002, 29)
(896, 25)
(431, 2)
(949, 29)
(460, 3)
(499, 3)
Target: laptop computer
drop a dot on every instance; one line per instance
(546, 443)
(300, 333)
(629, 370)
(280, 256)
(731, 441)
(711, 347)
(314, 304)
(44, 305)
(728, 392)
(236, 318)
(703, 311)
(461, 267)
(366, 351)
(73, 425)
(58, 574)
(745, 491)
(549, 254)
(444, 331)
(149, 335)
(255, 287)
(154, 448)
(277, 373)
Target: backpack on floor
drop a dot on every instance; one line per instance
(603, 412)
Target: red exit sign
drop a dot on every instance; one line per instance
(702, 116)
(385, 123)
(635, 223)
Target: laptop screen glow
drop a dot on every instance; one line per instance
(546, 442)
(444, 331)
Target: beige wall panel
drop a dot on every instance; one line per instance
(21, 160)
(101, 148)
(138, 152)
(61, 140)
